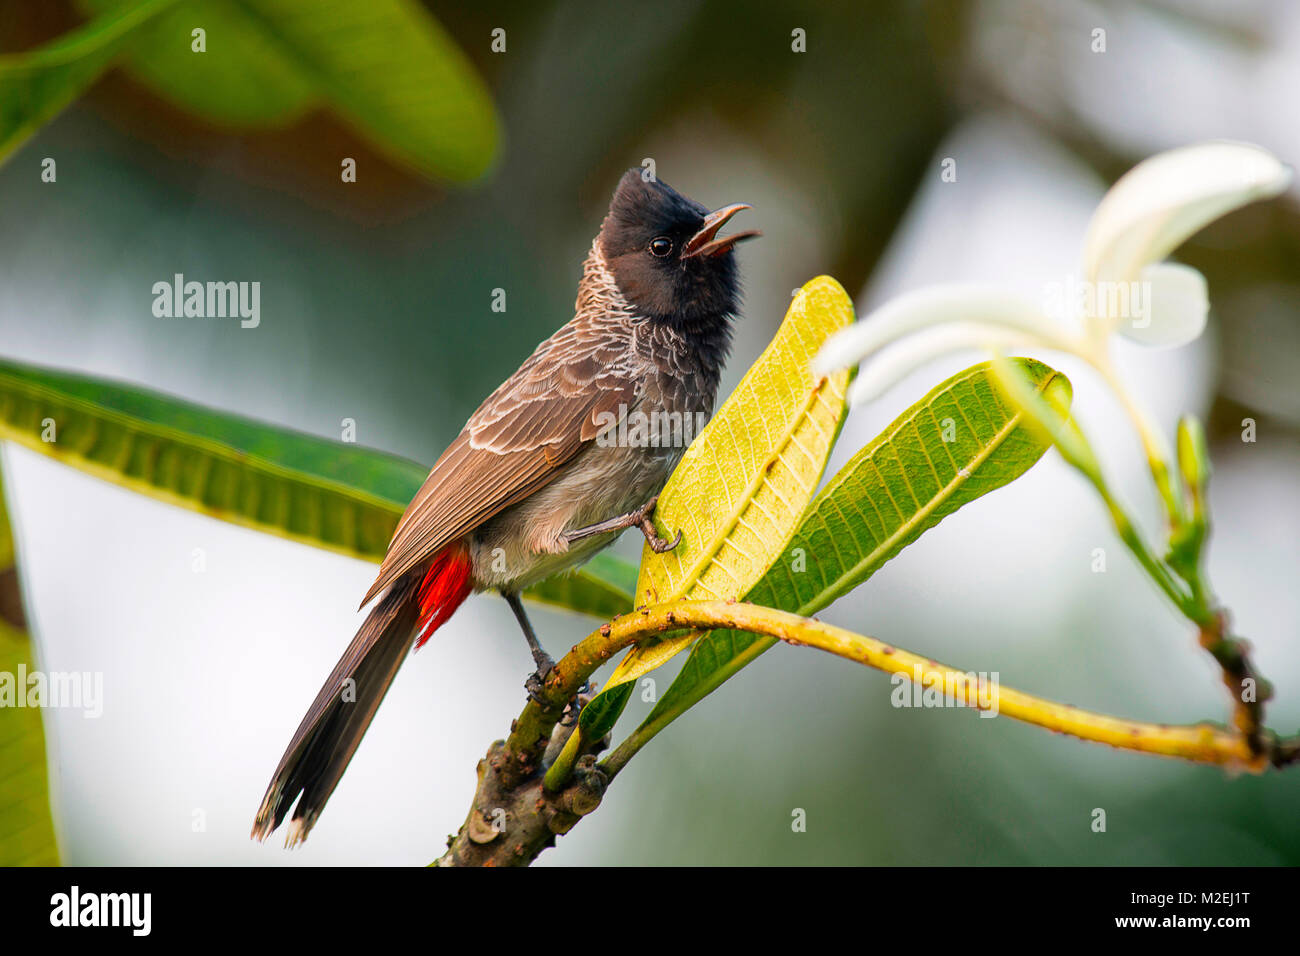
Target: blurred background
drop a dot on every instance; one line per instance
(376, 306)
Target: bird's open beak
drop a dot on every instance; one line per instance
(706, 243)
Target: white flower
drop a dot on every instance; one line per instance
(1127, 288)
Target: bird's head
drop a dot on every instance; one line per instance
(665, 253)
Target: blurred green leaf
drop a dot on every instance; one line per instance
(324, 493)
(26, 825)
(37, 85)
(386, 66)
(900, 485)
(243, 79)
(601, 588)
(742, 486)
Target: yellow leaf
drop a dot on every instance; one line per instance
(743, 485)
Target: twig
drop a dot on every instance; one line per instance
(527, 817)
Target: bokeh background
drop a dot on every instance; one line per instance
(376, 307)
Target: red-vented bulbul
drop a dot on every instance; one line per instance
(542, 476)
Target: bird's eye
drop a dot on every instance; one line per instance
(661, 246)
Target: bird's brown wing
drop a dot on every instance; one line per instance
(540, 417)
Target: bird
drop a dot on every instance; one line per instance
(547, 471)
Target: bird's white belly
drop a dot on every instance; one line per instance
(524, 544)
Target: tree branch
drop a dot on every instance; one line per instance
(514, 817)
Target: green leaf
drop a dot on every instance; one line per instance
(602, 713)
(901, 484)
(328, 494)
(243, 80)
(26, 824)
(1187, 539)
(385, 66)
(744, 483)
(36, 86)
(602, 588)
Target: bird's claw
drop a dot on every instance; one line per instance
(534, 686)
(657, 544)
(536, 683)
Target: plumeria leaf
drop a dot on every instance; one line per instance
(244, 81)
(744, 483)
(386, 67)
(1041, 413)
(903, 483)
(26, 823)
(37, 85)
(329, 494)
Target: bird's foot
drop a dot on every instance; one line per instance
(536, 682)
(640, 518)
(657, 544)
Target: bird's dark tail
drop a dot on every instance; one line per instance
(415, 606)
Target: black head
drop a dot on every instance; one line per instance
(666, 256)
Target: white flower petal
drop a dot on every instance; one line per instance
(1163, 200)
(964, 303)
(903, 358)
(1170, 309)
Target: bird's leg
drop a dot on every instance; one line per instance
(640, 518)
(542, 659)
